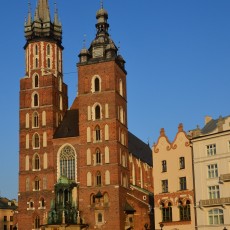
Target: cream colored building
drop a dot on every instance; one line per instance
(7, 210)
(173, 182)
(211, 150)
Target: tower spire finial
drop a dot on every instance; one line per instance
(29, 19)
(102, 4)
(84, 41)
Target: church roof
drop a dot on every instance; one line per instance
(140, 149)
(69, 127)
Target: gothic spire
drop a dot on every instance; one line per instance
(29, 17)
(43, 10)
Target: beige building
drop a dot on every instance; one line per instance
(173, 182)
(7, 210)
(211, 150)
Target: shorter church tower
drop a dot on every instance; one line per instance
(43, 102)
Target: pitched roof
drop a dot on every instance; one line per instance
(140, 149)
(7, 204)
(69, 127)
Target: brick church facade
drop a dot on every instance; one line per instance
(109, 170)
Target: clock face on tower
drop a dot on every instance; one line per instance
(97, 52)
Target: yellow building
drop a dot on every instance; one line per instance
(211, 150)
(7, 210)
(173, 182)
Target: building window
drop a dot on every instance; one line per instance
(166, 212)
(35, 120)
(164, 166)
(98, 156)
(98, 179)
(96, 84)
(37, 222)
(67, 162)
(36, 62)
(11, 218)
(99, 218)
(97, 112)
(36, 141)
(185, 212)
(42, 203)
(97, 133)
(48, 62)
(182, 162)
(35, 81)
(214, 192)
(30, 204)
(5, 218)
(212, 171)
(36, 49)
(183, 184)
(164, 185)
(216, 216)
(36, 162)
(48, 49)
(5, 227)
(35, 100)
(36, 184)
(211, 149)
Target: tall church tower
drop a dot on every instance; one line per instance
(102, 100)
(43, 102)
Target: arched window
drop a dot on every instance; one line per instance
(36, 184)
(98, 179)
(67, 162)
(36, 162)
(35, 100)
(97, 112)
(97, 133)
(97, 84)
(35, 81)
(185, 213)
(98, 156)
(166, 212)
(36, 49)
(48, 49)
(30, 204)
(216, 216)
(35, 120)
(37, 222)
(36, 141)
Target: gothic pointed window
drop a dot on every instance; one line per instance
(36, 162)
(35, 100)
(67, 162)
(98, 156)
(98, 179)
(36, 141)
(35, 120)
(35, 81)
(97, 112)
(97, 84)
(36, 184)
(97, 133)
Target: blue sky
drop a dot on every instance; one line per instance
(177, 56)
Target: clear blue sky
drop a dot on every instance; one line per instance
(178, 64)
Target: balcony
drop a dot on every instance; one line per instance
(224, 177)
(215, 202)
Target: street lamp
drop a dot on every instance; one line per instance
(161, 225)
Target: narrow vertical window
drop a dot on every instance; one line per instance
(97, 84)
(36, 49)
(166, 212)
(97, 133)
(185, 212)
(97, 112)
(106, 155)
(37, 222)
(48, 63)
(36, 141)
(36, 81)
(35, 100)
(48, 49)
(36, 184)
(164, 185)
(44, 118)
(183, 183)
(182, 162)
(121, 87)
(27, 120)
(35, 120)
(36, 162)
(98, 179)
(36, 62)
(98, 156)
(164, 166)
